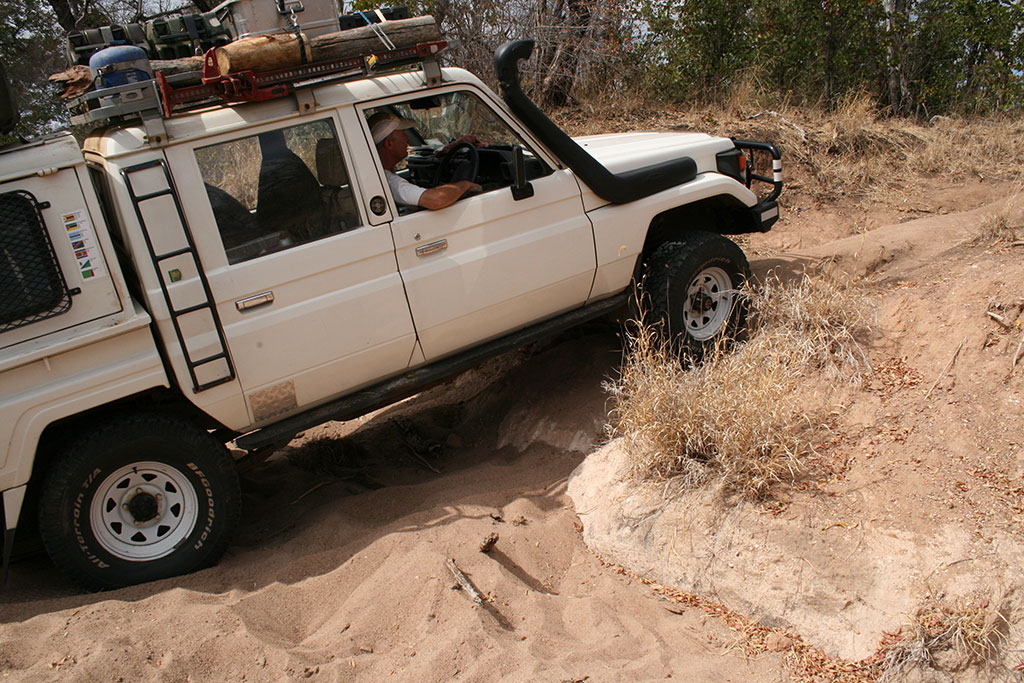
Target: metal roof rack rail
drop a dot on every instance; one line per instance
(166, 95)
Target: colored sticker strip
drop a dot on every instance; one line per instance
(83, 244)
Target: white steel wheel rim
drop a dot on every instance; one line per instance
(143, 511)
(709, 299)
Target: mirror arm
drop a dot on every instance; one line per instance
(521, 187)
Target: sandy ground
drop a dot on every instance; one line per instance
(340, 571)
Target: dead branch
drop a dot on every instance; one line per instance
(75, 81)
(318, 486)
(949, 366)
(999, 319)
(282, 50)
(1017, 354)
(798, 129)
(466, 584)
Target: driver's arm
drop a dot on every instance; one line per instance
(446, 195)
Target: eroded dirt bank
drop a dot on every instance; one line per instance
(916, 495)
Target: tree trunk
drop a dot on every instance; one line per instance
(897, 14)
(561, 64)
(65, 15)
(281, 50)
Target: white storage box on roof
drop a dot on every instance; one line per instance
(253, 17)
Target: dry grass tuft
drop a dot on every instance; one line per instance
(739, 418)
(815, 321)
(1006, 224)
(973, 629)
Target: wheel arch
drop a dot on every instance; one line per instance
(157, 399)
(722, 213)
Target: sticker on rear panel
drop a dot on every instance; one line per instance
(83, 243)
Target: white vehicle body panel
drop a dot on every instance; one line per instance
(224, 403)
(504, 263)
(620, 229)
(78, 236)
(339, 318)
(113, 364)
(620, 152)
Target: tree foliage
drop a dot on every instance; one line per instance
(31, 48)
(913, 57)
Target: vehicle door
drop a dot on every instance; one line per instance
(307, 291)
(489, 264)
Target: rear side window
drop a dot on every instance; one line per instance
(31, 280)
(278, 189)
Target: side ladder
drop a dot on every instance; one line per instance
(182, 251)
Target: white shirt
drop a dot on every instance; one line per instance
(404, 192)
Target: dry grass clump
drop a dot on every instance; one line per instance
(973, 629)
(816, 320)
(731, 418)
(741, 417)
(1006, 224)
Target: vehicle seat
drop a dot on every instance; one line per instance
(236, 224)
(329, 167)
(288, 194)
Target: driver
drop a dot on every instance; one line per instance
(392, 143)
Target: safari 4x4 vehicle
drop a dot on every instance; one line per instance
(217, 272)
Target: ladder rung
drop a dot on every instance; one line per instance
(209, 359)
(213, 383)
(172, 254)
(153, 195)
(191, 309)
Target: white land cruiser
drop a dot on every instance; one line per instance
(240, 272)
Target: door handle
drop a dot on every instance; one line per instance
(432, 248)
(254, 301)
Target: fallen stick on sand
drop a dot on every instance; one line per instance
(999, 319)
(1016, 355)
(946, 369)
(466, 584)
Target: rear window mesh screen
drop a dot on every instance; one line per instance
(31, 281)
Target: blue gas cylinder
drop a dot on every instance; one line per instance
(119, 65)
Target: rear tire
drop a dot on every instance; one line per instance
(691, 291)
(142, 498)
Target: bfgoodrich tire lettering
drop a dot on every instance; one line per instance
(691, 290)
(143, 497)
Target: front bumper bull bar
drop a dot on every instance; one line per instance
(766, 211)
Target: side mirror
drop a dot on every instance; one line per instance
(9, 114)
(521, 187)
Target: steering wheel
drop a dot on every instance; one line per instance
(445, 172)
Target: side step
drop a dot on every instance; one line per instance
(414, 381)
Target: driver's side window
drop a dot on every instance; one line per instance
(436, 156)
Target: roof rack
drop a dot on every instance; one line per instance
(164, 95)
(247, 86)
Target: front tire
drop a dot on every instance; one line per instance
(142, 498)
(691, 291)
